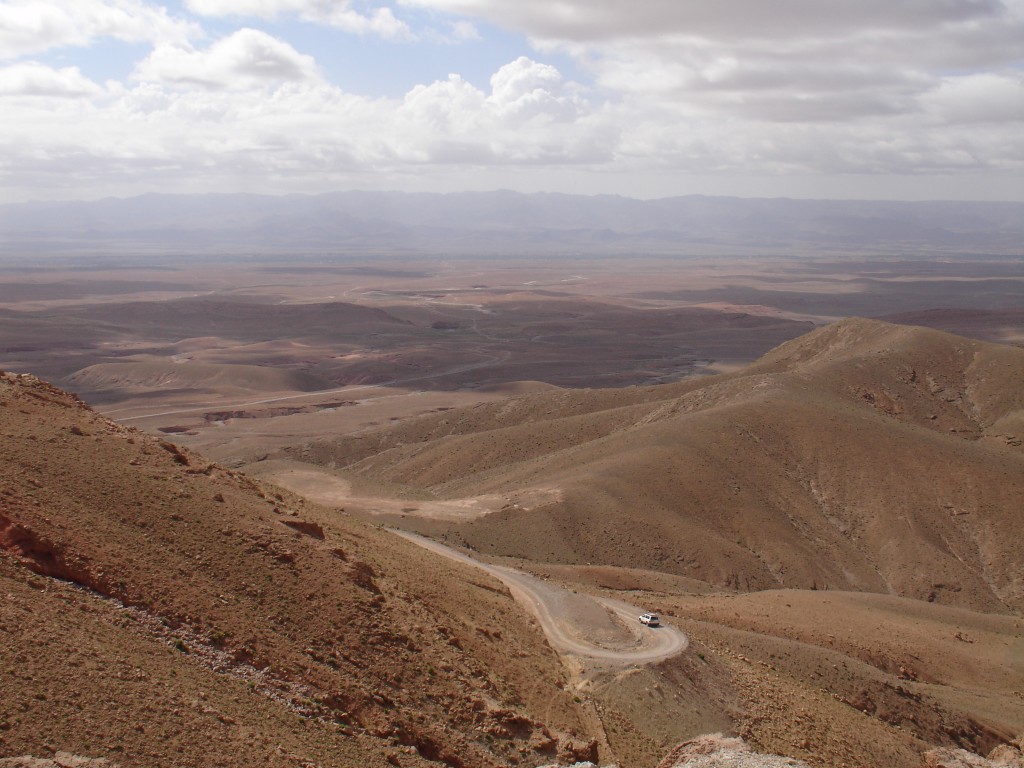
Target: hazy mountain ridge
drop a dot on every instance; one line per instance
(509, 222)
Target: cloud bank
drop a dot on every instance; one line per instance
(246, 59)
(664, 96)
(32, 26)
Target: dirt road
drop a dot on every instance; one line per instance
(594, 628)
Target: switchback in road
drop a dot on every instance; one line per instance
(588, 627)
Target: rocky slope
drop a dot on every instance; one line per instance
(159, 610)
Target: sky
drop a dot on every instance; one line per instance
(876, 99)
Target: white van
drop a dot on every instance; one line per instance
(650, 619)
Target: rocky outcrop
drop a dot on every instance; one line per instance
(44, 557)
(718, 751)
(1004, 756)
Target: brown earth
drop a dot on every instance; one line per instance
(226, 378)
(250, 626)
(160, 610)
(172, 343)
(831, 678)
(1005, 326)
(717, 751)
(863, 456)
(578, 320)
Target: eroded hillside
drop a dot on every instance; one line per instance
(163, 611)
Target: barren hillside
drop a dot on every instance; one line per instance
(160, 610)
(862, 456)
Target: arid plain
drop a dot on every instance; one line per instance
(827, 507)
(218, 350)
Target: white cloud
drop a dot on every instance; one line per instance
(527, 90)
(987, 97)
(528, 117)
(463, 30)
(305, 133)
(677, 89)
(246, 59)
(787, 60)
(287, 129)
(337, 13)
(381, 21)
(33, 26)
(34, 79)
(264, 9)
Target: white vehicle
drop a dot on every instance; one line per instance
(650, 619)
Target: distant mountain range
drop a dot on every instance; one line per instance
(504, 223)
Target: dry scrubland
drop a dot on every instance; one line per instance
(862, 456)
(224, 623)
(876, 469)
(238, 355)
(835, 526)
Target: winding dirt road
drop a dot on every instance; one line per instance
(595, 628)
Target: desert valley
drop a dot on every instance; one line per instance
(373, 481)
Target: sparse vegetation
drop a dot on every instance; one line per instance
(163, 593)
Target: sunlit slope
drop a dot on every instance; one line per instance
(203, 618)
(863, 456)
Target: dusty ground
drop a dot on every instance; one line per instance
(800, 471)
(387, 503)
(827, 676)
(241, 361)
(234, 352)
(884, 685)
(161, 610)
